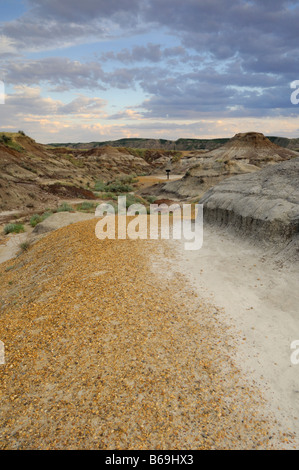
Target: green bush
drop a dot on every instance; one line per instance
(64, 208)
(85, 206)
(25, 246)
(37, 219)
(13, 228)
(121, 185)
(99, 186)
(118, 187)
(108, 196)
(150, 199)
(5, 139)
(128, 179)
(132, 199)
(47, 214)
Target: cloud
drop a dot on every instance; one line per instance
(148, 53)
(7, 47)
(130, 114)
(177, 93)
(55, 23)
(84, 119)
(27, 105)
(62, 73)
(209, 60)
(78, 11)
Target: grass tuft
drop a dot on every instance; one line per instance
(13, 228)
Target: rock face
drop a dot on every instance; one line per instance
(264, 204)
(244, 153)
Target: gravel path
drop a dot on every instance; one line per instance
(105, 350)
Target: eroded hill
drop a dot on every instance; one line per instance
(35, 176)
(244, 153)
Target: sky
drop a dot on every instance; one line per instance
(97, 70)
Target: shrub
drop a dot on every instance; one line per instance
(37, 219)
(24, 246)
(13, 228)
(5, 139)
(150, 199)
(11, 143)
(128, 179)
(64, 208)
(99, 186)
(85, 206)
(47, 214)
(132, 199)
(108, 196)
(118, 187)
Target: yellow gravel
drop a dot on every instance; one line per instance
(103, 353)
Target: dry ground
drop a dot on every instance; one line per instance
(103, 353)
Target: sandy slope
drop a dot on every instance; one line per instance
(259, 297)
(102, 353)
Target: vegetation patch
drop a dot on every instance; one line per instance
(13, 228)
(86, 206)
(11, 143)
(37, 218)
(120, 185)
(24, 246)
(64, 208)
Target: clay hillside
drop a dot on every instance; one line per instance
(34, 176)
(263, 205)
(244, 153)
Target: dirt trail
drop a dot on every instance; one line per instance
(103, 354)
(257, 294)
